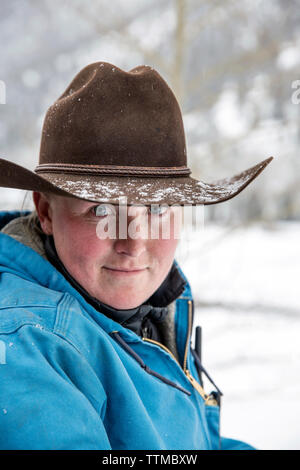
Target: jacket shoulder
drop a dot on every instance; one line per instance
(25, 302)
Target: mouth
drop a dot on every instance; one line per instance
(124, 271)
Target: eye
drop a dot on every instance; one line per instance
(103, 210)
(156, 209)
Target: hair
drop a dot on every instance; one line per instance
(31, 212)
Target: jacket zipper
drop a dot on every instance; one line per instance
(207, 398)
(188, 335)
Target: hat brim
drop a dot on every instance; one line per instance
(137, 190)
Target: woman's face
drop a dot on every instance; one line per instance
(120, 271)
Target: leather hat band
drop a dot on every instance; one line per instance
(74, 168)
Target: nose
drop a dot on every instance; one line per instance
(134, 242)
(130, 247)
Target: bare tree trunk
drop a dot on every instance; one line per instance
(178, 66)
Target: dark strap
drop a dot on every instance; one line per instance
(78, 169)
(200, 366)
(147, 369)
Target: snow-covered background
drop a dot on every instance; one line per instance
(245, 283)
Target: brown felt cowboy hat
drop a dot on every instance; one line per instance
(114, 133)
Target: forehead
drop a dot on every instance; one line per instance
(75, 205)
(66, 203)
(70, 202)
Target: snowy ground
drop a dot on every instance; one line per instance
(246, 288)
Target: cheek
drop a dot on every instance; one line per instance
(78, 243)
(167, 247)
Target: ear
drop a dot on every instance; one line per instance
(44, 211)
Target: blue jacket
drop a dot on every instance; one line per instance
(71, 378)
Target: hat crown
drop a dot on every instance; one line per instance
(114, 133)
(109, 117)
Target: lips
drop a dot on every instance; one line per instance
(124, 274)
(125, 270)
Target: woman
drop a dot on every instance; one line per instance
(97, 329)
